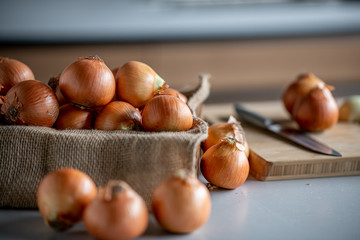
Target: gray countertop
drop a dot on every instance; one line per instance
(321, 208)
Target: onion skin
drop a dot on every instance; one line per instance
(118, 212)
(30, 102)
(174, 92)
(181, 203)
(166, 113)
(12, 72)
(62, 196)
(88, 82)
(136, 83)
(54, 84)
(72, 117)
(300, 87)
(218, 131)
(225, 164)
(118, 115)
(317, 110)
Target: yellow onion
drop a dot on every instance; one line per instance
(225, 164)
(218, 131)
(118, 115)
(181, 203)
(118, 212)
(317, 110)
(301, 86)
(54, 84)
(30, 102)
(350, 109)
(174, 92)
(74, 117)
(12, 72)
(166, 113)
(88, 82)
(136, 83)
(62, 196)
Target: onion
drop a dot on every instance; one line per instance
(166, 113)
(30, 102)
(73, 117)
(54, 84)
(62, 196)
(136, 83)
(118, 212)
(174, 92)
(181, 203)
(88, 82)
(118, 115)
(225, 164)
(350, 109)
(12, 72)
(317, 110)
(301, 86)
(218, 131)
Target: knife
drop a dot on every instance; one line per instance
(294, 135)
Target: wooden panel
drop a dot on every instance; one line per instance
(236, 64)
(272, 158)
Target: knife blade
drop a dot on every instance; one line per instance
(296, 136)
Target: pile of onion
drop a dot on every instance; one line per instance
(310, 102)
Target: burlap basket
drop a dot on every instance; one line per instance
(142, 159)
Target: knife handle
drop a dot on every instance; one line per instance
(252, 117)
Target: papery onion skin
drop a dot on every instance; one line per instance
(174, 92)
(118, 212)
(317, 110)
(12, 72)
(166, 113)
(88, 82)
(31, 102)
(225, 165)
(118, 115)
(181, 203)
(136, 83)
(297, 89)
(72, 117)
(54, 85)
(62, 196)
(218, 131)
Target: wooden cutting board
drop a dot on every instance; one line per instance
(273, 158)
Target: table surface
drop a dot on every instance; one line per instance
(321, 208)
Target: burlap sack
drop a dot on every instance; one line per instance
(142, 159)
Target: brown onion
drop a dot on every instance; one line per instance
(301, 86)
(174, 92)
(225, 164)
(118, 115)
(12, 72)
(74, 117)
(62, 196)
(166, 113)
(350, 109)
(30, 102)
(136, 83)
(88, 82)
(218, 131)
(181, 203)
(317, 110)
(118, 212)
(54, 84)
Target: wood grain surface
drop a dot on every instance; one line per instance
(273, 158)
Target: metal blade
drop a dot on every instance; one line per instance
(304, 140)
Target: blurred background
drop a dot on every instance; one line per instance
(251, 48)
